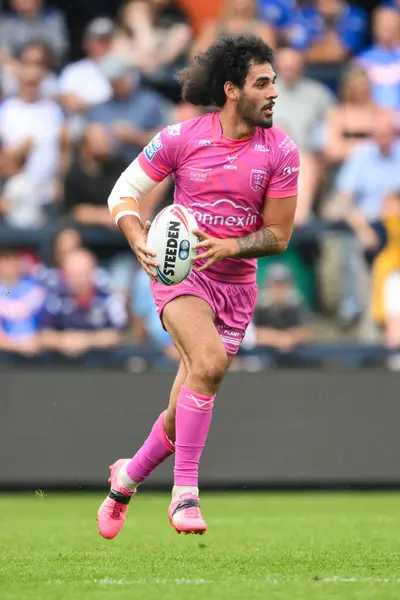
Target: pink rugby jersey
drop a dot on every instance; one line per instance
(224, 182)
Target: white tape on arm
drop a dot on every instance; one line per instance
(128, 190)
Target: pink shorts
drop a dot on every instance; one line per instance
(232, 303)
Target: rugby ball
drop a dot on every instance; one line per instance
(171, 238)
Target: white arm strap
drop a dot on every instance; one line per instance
(128, 190)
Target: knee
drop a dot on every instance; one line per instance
(210, 368)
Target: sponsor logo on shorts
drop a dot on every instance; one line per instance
(230, 336)
(153, 147)
(171, 249)
(258, 179)
(174, 129)
(205, 142)
(237, 215)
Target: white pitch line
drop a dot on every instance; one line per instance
(109, 581)
(182, 581)
(357, 580)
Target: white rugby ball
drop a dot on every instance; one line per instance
(171, 238)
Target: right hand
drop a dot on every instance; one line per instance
(144, 255)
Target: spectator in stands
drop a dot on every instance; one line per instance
(33, 129)
(51, 274)
(66, 240)
(29, 21)
(301, 111)
(382, 61)
(20, 197)
(147, 321)
(276, 12)
(154, 35)
(80, 314)
(82, 84)
(386, 278)
(351, 122)
(336, 29)
(90, 179)
(21, 304)
(134, 114)
(287, 20)
(237, 16)
(366, 177)
(35, 53)
(281, 318)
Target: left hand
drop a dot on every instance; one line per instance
(215, 249)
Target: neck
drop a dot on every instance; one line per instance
(386, 151)
(83, 294)
(390, 45)
(31, 15)
(90, 162)
(233, 127)
(28, 95)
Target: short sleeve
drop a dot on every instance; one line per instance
(159, 158)
(285, 172)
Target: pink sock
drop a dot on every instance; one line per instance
(154, 451)
(193, 419)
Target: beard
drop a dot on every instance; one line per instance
(252, 114)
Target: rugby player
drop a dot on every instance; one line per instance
(238, 173)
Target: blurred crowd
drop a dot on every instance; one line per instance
(68, 127)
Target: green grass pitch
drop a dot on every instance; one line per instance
(259, 546)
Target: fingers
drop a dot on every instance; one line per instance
(145, 231)
(147, 260)
(201, 234)
(203, 256)
(149, 272)
(208, 264)
(147, 267)
(205, 244)
(142, 249)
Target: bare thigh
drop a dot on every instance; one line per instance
(190, 322)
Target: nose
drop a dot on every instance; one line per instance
(273, 93)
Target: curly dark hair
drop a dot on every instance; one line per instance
(228, 59)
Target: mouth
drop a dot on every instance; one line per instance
(269, 110)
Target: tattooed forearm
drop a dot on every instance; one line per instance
(263, 242)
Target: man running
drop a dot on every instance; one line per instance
(238, 174)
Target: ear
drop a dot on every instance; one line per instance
(231, 91)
